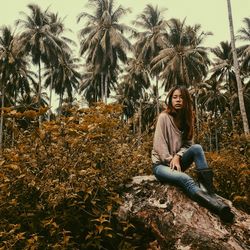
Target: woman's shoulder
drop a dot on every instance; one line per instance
(164, 116)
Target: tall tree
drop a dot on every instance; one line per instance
(103, 40)
(237, 72)
(223, 71)
(65, 77)
(91, 84)
(135, 82)
(183, 61)
(57, 28)
(38, 38)
(12, 70)
(215, 100)
(151, 40)
(244, 35)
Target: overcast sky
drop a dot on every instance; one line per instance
(212, 14)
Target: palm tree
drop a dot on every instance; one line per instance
(57, 28)
(151, 40)
(66, 77)
(12, 70)
(38, 38)
(215, 100)
(183, 61)
(135, 82)
(137, 78)
(102, 39)
(91, 84)
(237, 72)
(245, 49)
(224, 71)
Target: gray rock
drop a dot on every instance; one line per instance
(177, 222)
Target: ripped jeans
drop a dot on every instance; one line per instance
(193, 154)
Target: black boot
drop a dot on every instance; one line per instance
(214, 205)
(205, 179)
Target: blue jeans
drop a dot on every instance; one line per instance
(193, 154)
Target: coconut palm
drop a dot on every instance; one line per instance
(102, 38)
(38, 38)
(237, 72)
(151, 40)
(214, 98)
(137, 77)
(91, 85)
(135, 81)
(183, 61)
(223, 70)
(244, 35)
(66, 77)
(57, 28)
(13, 70)
(222, 66)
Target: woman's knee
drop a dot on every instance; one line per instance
(184, 179)
(197, 149)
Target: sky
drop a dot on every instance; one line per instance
(212, 14)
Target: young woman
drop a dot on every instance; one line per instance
(173, 152)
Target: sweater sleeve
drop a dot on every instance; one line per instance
(184, 147)
(160, 143)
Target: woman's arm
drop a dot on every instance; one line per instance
(160, 143)
(187, 144)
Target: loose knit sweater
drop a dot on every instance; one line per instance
(168, 140)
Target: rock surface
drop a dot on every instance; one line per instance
(177, 222)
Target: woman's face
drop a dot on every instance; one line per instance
(177, 100)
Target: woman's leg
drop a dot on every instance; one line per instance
(194, 154)
(165, 174)
(205, 174)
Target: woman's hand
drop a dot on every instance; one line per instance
(175, 163)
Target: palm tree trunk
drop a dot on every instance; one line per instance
(237, 72)
(60, 104)
(102, 86)
(50, 93)
(140, 122)
(196, 108)
(157, 96)
(39, 91)
(95, 92)
(13, 133)
(13, 124)
(1, 122)
(230, 104)
(216, 131)
(105, 88)
(210, 142)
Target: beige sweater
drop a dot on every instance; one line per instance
(167, 140)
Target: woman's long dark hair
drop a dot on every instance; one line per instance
(186, 117)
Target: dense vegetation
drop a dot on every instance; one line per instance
(62, 183)
(62, 173)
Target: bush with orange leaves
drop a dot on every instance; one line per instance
(60, 185)
(232, 171)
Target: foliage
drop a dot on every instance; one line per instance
(60, 184)
(232, 171)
